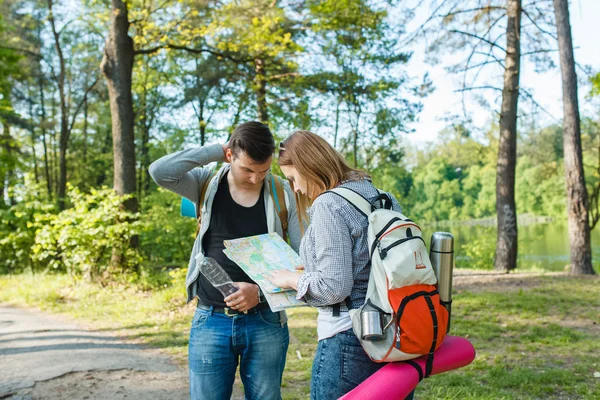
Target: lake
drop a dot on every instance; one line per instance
(542, 246)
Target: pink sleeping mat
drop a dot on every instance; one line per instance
(396, 380)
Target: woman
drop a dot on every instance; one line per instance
(335, 255)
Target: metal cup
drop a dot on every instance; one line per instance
(372, 325)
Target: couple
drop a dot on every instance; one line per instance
(241, 329)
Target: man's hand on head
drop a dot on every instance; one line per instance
(245, 298)
(225, 148)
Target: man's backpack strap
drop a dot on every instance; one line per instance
(278, 196)
(201, 197)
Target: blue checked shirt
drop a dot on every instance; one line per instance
(335, 250)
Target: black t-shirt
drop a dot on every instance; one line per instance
(229, 220)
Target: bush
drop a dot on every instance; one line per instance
(480, 252)
(166, 238)
(81, 240)
(18, 227)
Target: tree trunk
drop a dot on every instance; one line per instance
(8, 175)
(85, 130)
(7, 166)
(43, 126)
(238, 113)
(200, 113)
(202, 125)
(337, 123)
(577, 196)
(145, 156)
(261, 90)
(64, 116)
(355, 146)
(33, 141)
(117, 66)
(105, 149)
(54, 162)
(506, 245)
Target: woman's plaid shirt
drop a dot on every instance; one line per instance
(335, 251)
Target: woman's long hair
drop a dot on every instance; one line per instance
(322, 166)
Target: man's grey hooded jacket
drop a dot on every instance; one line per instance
(179, 173)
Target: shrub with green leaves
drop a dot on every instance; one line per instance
(479, 253)
(18, 227)
(166, 238)
(81, 239)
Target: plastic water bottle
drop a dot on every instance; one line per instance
(217, 276)
(441, 254)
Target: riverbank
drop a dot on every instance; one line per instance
(534, 332)
(522, 220)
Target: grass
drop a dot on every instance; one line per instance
(536, 337)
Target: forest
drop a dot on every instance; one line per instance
(93, 91)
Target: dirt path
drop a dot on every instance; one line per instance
(47, 357)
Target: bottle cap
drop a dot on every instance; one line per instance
(442, 242)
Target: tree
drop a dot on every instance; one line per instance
(476, 26)
(66, 126)
(359, 76)
(9, 147)
(117, 67)
(261, 39)
(577, 196)
(506, 245)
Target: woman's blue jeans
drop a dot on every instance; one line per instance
(218, 343)
(339, 366)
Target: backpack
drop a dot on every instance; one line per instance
(277, 192)
(402, 296)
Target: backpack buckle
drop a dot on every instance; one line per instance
(382, 252)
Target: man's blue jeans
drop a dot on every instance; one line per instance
(258, 342)
(339, 366)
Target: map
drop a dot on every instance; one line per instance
(259, 255)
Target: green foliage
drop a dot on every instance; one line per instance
(19, 225)
(8, 65)
(456, 178)
(540, 187)
(480, 252)
(258, 29)
(595, 85)
(166, 238)
(81, 240)
(437, 192)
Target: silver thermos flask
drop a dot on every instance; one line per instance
(441, 254)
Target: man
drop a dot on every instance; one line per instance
(237, 203)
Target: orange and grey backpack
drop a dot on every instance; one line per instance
(402, 292)
(277, 196)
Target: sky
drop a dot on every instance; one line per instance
(546, 86)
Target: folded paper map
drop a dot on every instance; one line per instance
(258, 256)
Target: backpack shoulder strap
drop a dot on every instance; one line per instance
(365, 208)
(201, 197)
(278, 196)
(355, 199)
